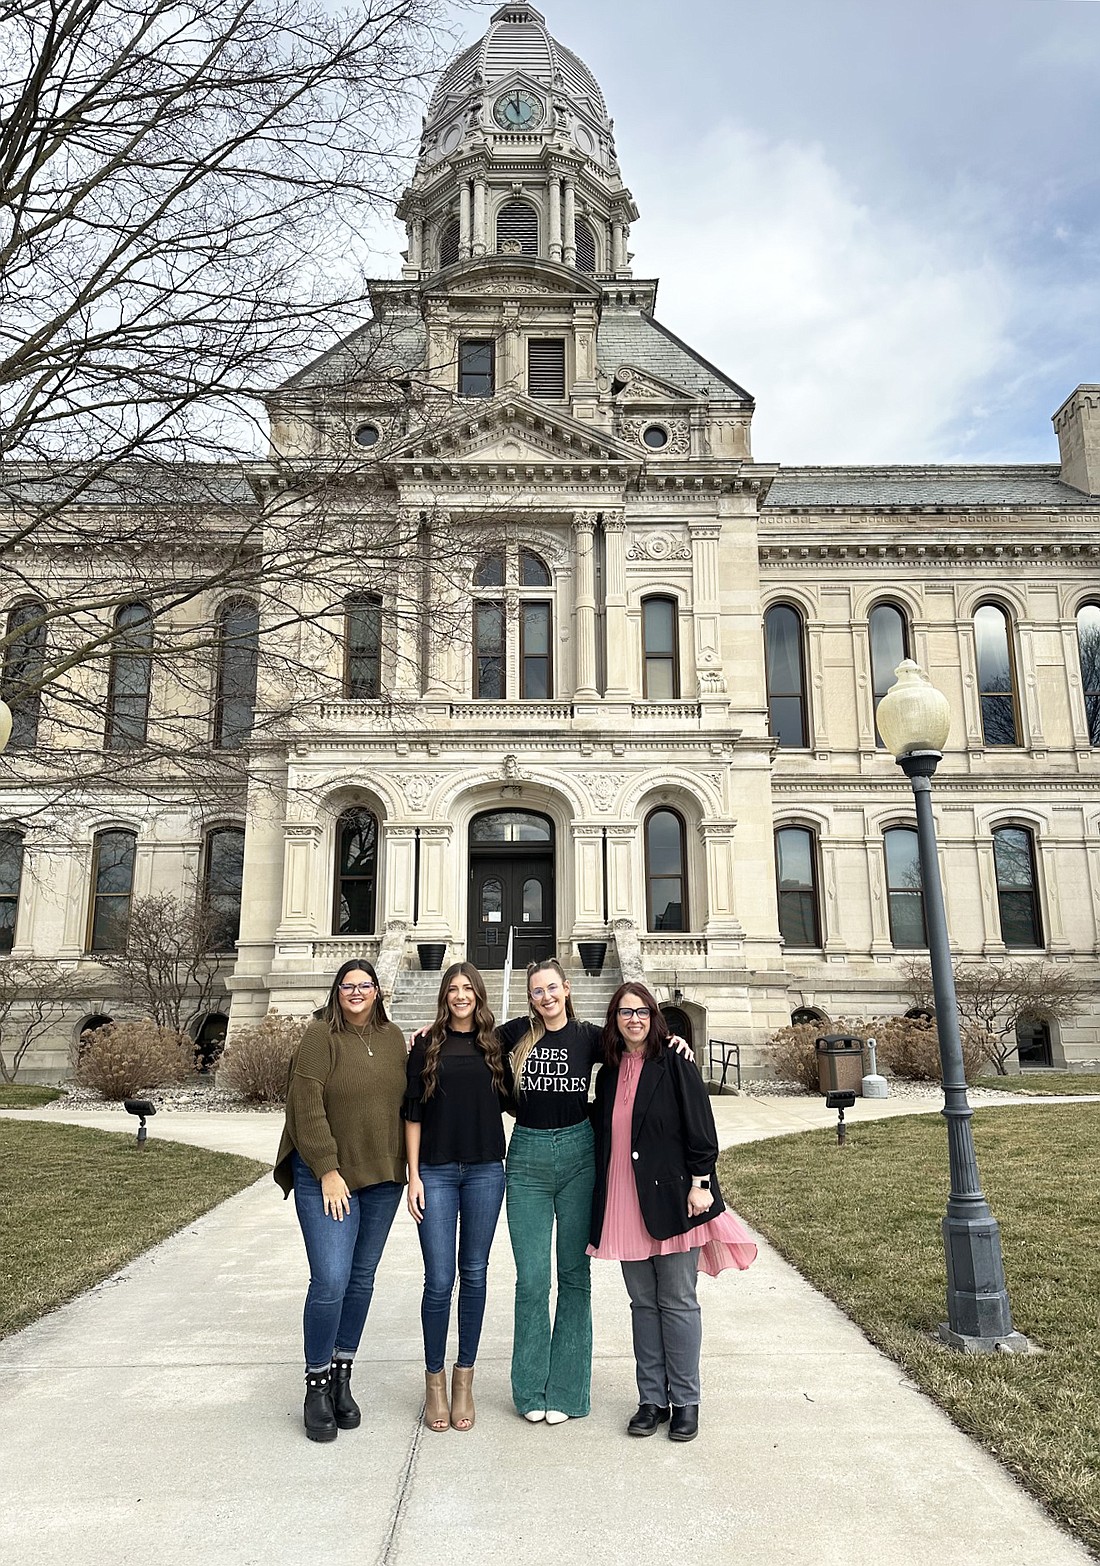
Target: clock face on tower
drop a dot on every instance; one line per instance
(518, 110)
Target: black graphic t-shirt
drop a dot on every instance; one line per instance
(553, 1088)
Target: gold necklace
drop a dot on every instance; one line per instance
(364, 1038)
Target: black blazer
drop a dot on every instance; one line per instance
(672, 1138)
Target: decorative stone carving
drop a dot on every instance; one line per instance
(512, 772)
(658, 546)
(604, 786)
(712, 682)
(416, 787)
(679, 438)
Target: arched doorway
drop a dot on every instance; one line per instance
(210, 1040)
(679, 1022)
(511, 888)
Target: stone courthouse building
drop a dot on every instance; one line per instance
(645, 717)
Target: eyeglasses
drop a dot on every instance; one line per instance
(548, 993)
(626, 1012)
(356, 989)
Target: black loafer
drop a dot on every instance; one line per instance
(685, 1423)
(646, 1420)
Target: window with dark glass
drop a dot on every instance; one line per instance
(904, 889)
(518, 225)
(356, 872)
(475, 368)
(489, 652)
(534, 651)
(510, 826)
(1033, 1047)
(533, 572)
(489, 572)
(11, 876)
(796, 878)
(223, 871)
(1088, 648)
(363, 647)
(586, 246)
(238, 645)
(533, 619)
(666, 874)
(128, 682)
(996, 685)
(449, 242)
(24, 666)
(660, 650)
(112, 889)
(889, 645)
(1014, 859)
(546, 367)
(532, 900)
(786, 676)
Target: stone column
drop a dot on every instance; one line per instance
(622, 853)
(402, 617)
(881, 943)
(569, 223)
(416, 242)
(439, 880)
(832, 904)
(721, 898)
(992, 945)
(464, 219)
(301, 863)
(709, 674)
(399, 857)
(584, 527)
(1048, 883)
(618, 643)
(587, 877)
(618, 250)
(479, 215)
(554, 208)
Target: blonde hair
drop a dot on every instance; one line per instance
(537, 1028)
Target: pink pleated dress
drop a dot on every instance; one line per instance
(723, 1241)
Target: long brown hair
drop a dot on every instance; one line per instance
(537, 1028)
(333, 1013)
(485, 1034)
(613, 1039)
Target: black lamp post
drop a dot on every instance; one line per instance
(913, 719)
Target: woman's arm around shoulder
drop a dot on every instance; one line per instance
(700, 1135)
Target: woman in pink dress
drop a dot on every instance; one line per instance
(656, 1207)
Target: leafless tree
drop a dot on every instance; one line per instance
(33, 997)
(993, 998)
(169, 969)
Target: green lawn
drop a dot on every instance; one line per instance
(862, 1224)
(1065, 1082)
(19, 1095)
(78, 1204)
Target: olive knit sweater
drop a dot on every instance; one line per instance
(343, 1105)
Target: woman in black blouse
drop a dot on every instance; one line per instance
(454, 1142)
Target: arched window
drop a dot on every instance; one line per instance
(112, 889)
(996, 683)
(786, 676)
(11, 876)
(1014, 859)
(585, 241)
(362, 647)
(356, 872)
(128, 682)
(660, 650)
(665, 871)
(518, 224)
(210, 1039)
(238, 650)
(796, 880)
(24, 664)
(448, 243)
(1088, 648)
(889, 637)
(526, 576)
(222, 873)
(804, 1016)
(904, 889)
(1033, 1044)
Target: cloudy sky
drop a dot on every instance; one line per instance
(880, 216)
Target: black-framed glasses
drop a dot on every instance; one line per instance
(626, 1012)
(357, 989)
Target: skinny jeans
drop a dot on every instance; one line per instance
(461, 1207)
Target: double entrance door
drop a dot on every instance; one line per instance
(511, 892)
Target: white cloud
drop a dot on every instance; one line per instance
(865, 333)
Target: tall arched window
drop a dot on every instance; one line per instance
(665, 871)
(786, 675)
(356, 872)
(1088, 648)
(660, 650)
(128, 682)
(222, 873)
(889, 636)
(238, 650)
(362, 647)
(1017, 899)
(522, 574)
(11, 876)
(518, 224)
(24, 662)
(112, 889)
(586, 246)
(449, 242)
(796, 880)
(996, 681)
(904, 889)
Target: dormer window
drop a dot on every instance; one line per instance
(476, 368)
(546, 368)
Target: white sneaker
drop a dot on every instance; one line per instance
(554, 1416)
(536, 1415)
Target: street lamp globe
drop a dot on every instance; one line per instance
(913, 715)
(5, 724)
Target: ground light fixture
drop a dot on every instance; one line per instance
(140, 1107)
(913, 719)
(840, 1099)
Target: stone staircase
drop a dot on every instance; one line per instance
(414, 995)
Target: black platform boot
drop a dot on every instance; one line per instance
(318, 1414)
(344, 1405)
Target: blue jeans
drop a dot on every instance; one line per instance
(461, 1208)
(343, 1259)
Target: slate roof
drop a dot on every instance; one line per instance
(631, 337)
(1032, 485)
(195, 485)
(385, 346)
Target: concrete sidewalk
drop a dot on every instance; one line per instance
(159, 1418)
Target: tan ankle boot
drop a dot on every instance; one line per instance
(462, 1398)
(436, 1413)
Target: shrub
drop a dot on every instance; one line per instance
(257, 1059)
(126, 1058)
(910, 1048)
(795, 1055)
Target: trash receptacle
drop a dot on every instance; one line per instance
(840, 1063)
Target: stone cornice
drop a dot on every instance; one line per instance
(1008, 556)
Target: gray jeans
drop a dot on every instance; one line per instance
(668, 1330)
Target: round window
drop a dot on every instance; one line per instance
(655, 437)
(367, 435)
